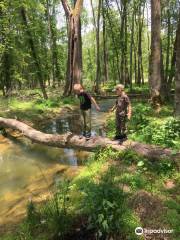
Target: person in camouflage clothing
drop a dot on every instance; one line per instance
(123, 113)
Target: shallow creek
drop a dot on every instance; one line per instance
(28, 171)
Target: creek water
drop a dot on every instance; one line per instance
(27, 170)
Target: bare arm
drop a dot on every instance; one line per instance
(95, 104)
(129, 111)
(113, 108)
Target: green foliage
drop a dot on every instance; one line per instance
(103, 155)
(29, 106)
(129, 157)
(52, 217)
(144, 89)
(54, 102)
(172, 217)
(166, 133)
(172, 204)
(33, 217)
(135, 181)
(55, 215)
(111, 127)
(9, 237)
(49, 103)
(69, 100)
(139, 118)
(17, 66)
(97, 195)
(152, 130)
(162, 167)
(106, 206)
(147, 126)
(108, 86)
(28, 229)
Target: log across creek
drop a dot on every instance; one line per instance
(70, 140)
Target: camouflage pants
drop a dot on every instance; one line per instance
(121, 125)
(86, 119)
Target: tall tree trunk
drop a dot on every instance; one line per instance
(122, 42)
(113, 71)
(177, 77)
(74, 62)
(155, 58)
(50, 42)
(135, 64)
(120, 7)
(168, 45)
(164, 89)
(126, 70)
(54, 47)
(53, 41)
(7, 69)
(140, 29)
(173, 61)
(139, 52)
(114, 43)
(94, 24)
(5, 51)
(34, 54)
(131, 49)
(90, 64)
(147, 26)
(105, 54)
(98, 65)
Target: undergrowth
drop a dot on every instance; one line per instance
(97, 197)
(150, 127)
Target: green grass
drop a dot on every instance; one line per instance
(34, 109)
(93, 194)
(96, 194)
(172, 217)
(110, 86)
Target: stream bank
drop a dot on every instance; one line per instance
(25, 165)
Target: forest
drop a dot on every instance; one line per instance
(68, 172)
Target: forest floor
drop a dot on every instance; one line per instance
(115, 192)
(31, 108)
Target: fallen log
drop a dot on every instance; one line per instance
(70, 140)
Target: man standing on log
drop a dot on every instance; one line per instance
(123, 113)
(85, 107)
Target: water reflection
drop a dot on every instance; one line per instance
(73, 122)
(64, 124)
(21, 161)
(19, 157)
